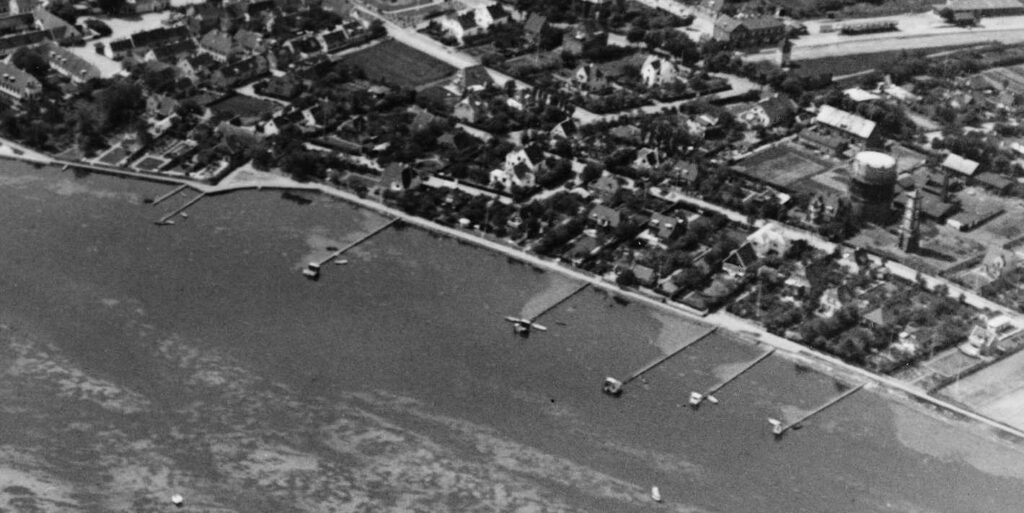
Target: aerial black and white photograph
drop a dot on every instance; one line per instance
(524, 256)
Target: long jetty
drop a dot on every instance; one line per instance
(358, 241)
(556, 304)
(696, 398)
(189, 203)
(176, 190)
(778, 429)
(662, 359)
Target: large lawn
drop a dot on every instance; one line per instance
(395, 63)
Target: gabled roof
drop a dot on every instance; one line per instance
(610, 215)
(534, 153)
(121, 45)
(218, 42)
(334, 38)
(70, 62)
(467, 20)
(959, 164)
(535, 23)
(845, 121)
(174, 50)
(248, 39)
(496, 12)
(778, 107)
(476, 76)
(18, 79)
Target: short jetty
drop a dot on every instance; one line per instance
(176, 190)
(166, 219)
(613, 386)
(696, 398)
(778, 428)
(523, 326)
(312, 270)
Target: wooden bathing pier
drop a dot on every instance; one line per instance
(312, 270)
(778, 428)
(696, 398)
(613, 386)
(523, 326)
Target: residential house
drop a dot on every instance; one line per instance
(58, 28)
(586, 37)
(564, 130)
(645, 276)
(251, 42)
(219, 45)
(239, 72)
(490, 15)
(197, 67)
(646, 158)
(203, 17)
(605, 186)
(159, 37)
(285, 87)
(519, 175)
(17, 85)
(161, 106)
(334, 41)
(69, 64)
(752, 31)
(603, 216)
(305, 47)
(627, 133)
(590, 77)
(532, 156)
(684, 172)
(421, 119)
(171, 52)
(658, 71)
(740, 259)
(470, 110)
(471, 79)
(460, 26)
(534, 25)
(769, 112)
(581, 250)
(666, 228)
(399, 177)
(118, 49)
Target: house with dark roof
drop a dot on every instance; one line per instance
(285, 87)
(489, 15)
(203, 17)
(581, 250)
(519, 175)
(161, 106)
(740, 259)
(460, 26)
(334, 41)
(219, 45)
(604, 216)
(197, 67)
(235, 74)
(171, 52)
(473, 78)
(590, 77)
(160, 36)
(17, 85)
(745, 32)
(684, 172)
(772, 111)
(305, 46)
(532, 156)
(398, 177)
(564, 130)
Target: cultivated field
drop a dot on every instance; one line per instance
(245, 106)
(395, 63)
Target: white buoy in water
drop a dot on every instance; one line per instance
(655, 494)
(178, 500)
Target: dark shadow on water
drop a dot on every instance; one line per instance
(296, 198)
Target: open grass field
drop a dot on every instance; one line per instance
(395, 63)
(849, 64)
(245, 106)
(782, 165)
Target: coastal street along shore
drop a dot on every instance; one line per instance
(738, 327)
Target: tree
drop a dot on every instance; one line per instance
(31, 61)
(626, 278)
(120, 103)
(112, 7)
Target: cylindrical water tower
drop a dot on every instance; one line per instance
(872, 185)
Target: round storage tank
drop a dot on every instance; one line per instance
(872, 186)
(872, 167)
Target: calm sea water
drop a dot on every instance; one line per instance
(140, 361)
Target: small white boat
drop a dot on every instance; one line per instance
(177, 500)
(696, 398)
(611, 386)
(655, 494)
(312, 271)
(184, 215)
(340, 261)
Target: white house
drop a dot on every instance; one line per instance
(519, 175)
(532, 156)
(490, 15)
(657, 71)
(460, 26)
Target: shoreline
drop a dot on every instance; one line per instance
(738, 329)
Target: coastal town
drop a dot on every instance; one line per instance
(745, 162)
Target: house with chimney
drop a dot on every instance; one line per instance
(17, 85)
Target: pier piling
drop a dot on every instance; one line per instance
(312, 270)
(778, 428)
(697, 398)
(613, 386)
(189, 203)
(176, 190)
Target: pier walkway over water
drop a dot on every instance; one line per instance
(357, 242)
